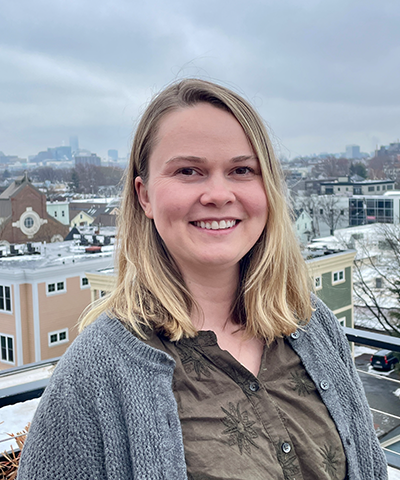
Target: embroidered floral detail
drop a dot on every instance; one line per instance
(287, 462)
(330, 461)
(302, 383)
(239, 429)
(193, 360)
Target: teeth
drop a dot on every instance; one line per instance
(214, 225)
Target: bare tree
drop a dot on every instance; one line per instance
(326, 209)
(330, 211)
(377, 277)
(310, 204)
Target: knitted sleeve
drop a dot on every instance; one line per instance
(64, 440)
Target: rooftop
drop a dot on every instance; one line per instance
(49, 255)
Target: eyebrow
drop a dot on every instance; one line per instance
(201, 160)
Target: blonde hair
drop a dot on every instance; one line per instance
(273, 291)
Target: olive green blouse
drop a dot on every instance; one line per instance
(239, 427)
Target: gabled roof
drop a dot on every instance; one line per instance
(16, 186)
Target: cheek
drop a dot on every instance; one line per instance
(257, 204)
(169, 205)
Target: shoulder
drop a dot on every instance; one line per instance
(324, 321)
(107, 346)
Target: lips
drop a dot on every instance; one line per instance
(216, 225)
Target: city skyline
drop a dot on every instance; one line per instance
(323, 75)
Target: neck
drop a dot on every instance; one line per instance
(214, 292)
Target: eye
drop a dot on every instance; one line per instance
(243, 171)
(187, 172)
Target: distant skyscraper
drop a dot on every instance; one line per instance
(353, 151)
(74, 143)
(92, 159)
(113, 154)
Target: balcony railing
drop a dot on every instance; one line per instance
(391, 444)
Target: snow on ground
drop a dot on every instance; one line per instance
(383, 373)
(394, 474)
(359, 350)
(13, 419)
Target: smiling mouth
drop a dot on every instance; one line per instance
(214, 225)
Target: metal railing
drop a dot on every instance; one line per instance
(384, 342)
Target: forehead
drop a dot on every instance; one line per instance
(200, 130)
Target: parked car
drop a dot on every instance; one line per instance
(384, 360)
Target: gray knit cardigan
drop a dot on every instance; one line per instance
(109, 411)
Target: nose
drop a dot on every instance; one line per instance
(218, 191)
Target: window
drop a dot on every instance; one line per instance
(341, 212)
(55, 287)
(58, 337)
(338, 189)
(321, 211)
(383, 187)
(371, 189)
(390, 187)
(342, 321)
(338, 277)
(62, 213)
(55, 214)
(318, 282)
(7, 348)
(5, 298)
(28, 222)
(81, 216)
(378, 282)
(84, 282)
(378, 188)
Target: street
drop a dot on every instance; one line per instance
(380, 388)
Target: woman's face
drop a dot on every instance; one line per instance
(205, 191)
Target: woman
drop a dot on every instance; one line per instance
(213, 298)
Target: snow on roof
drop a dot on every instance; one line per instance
(51, 255)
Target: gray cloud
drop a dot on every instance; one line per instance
(322, 74)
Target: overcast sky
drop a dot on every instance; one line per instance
(323, 74)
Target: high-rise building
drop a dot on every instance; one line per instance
(92, 159)
(113, 155)
(352, 151)
(74, 143)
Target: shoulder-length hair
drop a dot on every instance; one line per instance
(273, 294)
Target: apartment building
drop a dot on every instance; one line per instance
(43, 291)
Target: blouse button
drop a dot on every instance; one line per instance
(254, 386)
(286, 447)
(324, 385)
(295, 335)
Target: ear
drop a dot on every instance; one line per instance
(143, 197)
